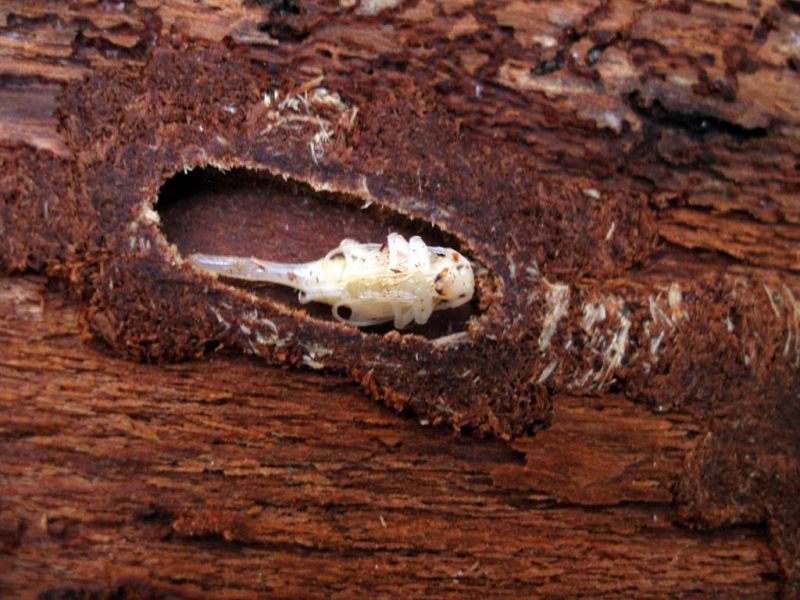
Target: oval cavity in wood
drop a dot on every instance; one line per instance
(244, 212)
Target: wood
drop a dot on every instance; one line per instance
(670, 131)
(228, 477)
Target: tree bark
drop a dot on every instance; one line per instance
(644, 156)
(228, 476)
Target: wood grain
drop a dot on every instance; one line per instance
(227, 478)
(224, 477)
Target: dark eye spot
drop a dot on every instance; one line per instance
(463, 295)
(344, 312)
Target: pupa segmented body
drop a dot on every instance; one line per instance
(400, 281)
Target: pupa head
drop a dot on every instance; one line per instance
(454, 282)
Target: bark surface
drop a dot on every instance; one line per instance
(626, 174)
(225, 475)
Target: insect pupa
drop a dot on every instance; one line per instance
(402, 281)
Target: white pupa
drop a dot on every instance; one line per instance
(400, 281)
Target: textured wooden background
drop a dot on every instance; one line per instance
(223, 477)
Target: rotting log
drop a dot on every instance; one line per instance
(226, 475)
(647, 152)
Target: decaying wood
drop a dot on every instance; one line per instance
(226, 475)
(646, 145)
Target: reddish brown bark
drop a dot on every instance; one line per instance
(639, 161)
(226, 475)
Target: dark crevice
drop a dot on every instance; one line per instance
(154, 515)
(283, 32)
(127, 590)
(20, 22)
(90, 37)
(549, 66)
(283, 7)
(695, 123)
(594, 54)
